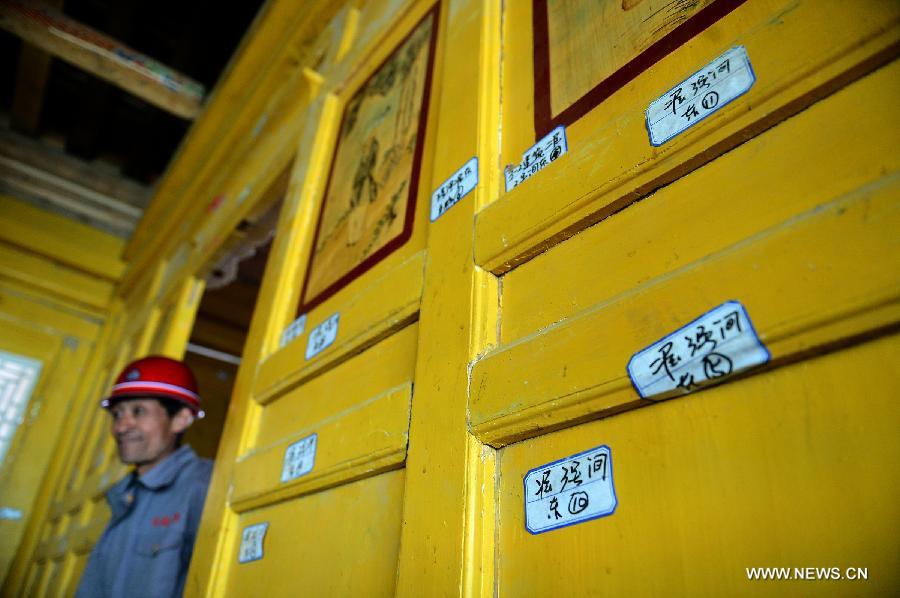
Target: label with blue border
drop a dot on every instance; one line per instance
(322, 336)
(707, 91)
(454, 188)
(252, 540)
(569, 491)
(547, 150)
(293, 330)
(299, 458)
(716, 346)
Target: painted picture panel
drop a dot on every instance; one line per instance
(585, 50)
(369, 202)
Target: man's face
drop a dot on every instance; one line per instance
(144, 432)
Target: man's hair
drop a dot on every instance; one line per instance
(171, 406)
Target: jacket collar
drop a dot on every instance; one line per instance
(167, 470)
(121, 495)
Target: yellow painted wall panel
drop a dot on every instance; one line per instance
(488, 345)
(76, 245)
(384, 366)
(802, 285)
(794, 468)
(45, 275)
(367, 439)
(800, 52)
(340, 542)
(384, 306)
(840, 146)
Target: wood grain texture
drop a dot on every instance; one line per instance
(590, 40)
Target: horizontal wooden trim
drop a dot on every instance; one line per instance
(579, 190)
(45, 274)
(76, 245)
(361, 441)
(576, 370)
(381, 308)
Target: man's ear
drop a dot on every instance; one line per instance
(182, 420)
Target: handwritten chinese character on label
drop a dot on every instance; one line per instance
(706, 91)
(719, 344)
(537, 157)
(454, 189)
(569, 491)
(252, 542)
(293, 330)
(299, 458)
(322, 336)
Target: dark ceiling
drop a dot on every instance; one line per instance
(97, 123)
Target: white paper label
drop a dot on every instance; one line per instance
(715, 346)
(293, 330)
(547, 150)
(454, 189)
(252, 542)
(706, 91)
(10, 513)
(322, 336)
(299, 459)
(569, 491)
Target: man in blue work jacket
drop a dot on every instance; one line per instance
(146, 548)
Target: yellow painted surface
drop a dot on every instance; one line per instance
(497, 338)
(777, 470)
(62, 342)
(572, 364)
(370, 438)
(76, 245)
(387, 305)
(56, 289)
(64, 261)
(305, 542)
(43, 274)
(801, 51)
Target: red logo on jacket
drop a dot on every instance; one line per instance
(166, 520)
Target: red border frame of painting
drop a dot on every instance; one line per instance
(544, 121)
(399, 241)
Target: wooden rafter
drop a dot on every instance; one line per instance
(103, 56)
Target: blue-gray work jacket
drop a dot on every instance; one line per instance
(146, 548)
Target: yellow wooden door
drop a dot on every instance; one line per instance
(651, 350)
(727, 171)
(308, 492)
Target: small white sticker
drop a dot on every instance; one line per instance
(537, 157)
(321, 337)
(10, 513)
(252, 542)
(569, 491)
(299, 459)
(454, 189)
(706, 91)
(715, 346)
(293, 330)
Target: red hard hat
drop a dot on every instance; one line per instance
(158, 377)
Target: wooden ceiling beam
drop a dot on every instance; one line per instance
(103, 56)
(31, 80)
